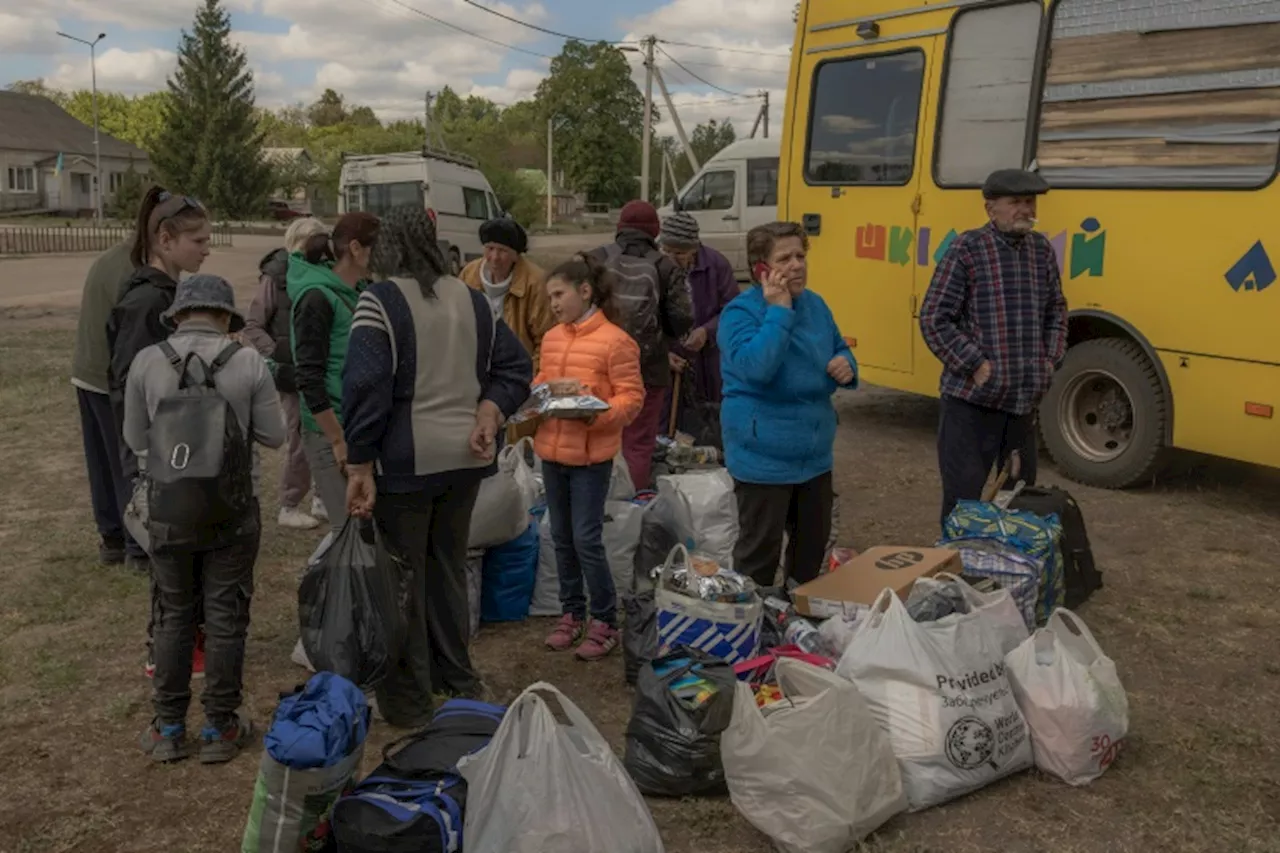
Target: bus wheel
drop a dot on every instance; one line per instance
(1105, 416)
(455, 262)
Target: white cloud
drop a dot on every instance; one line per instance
(33, 34)
(89, 17)
(129, 71)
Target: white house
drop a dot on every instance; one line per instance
(34, 132)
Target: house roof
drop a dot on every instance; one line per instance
(35, 123)
(276, 155)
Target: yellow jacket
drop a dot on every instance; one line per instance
(526, 309)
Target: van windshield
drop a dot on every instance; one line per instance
(378, 199)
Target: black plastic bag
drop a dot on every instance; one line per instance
(656, 541)
(351, 606)
(639, 633)
(673, 739)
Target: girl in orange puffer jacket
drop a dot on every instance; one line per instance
(585, 354)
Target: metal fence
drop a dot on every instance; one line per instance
(64, 239)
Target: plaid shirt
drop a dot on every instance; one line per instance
(997, 299)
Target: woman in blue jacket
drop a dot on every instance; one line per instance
(782, 359)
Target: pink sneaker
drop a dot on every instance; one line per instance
(567, 632)
(601, 639)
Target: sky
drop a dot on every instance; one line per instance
(387, 54)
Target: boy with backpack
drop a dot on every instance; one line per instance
(194, 406)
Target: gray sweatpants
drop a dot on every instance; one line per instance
(331, 483)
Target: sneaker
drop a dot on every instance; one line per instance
(318, 510)
(150, 667)
(110, 553)
(165, 742)
(220, 744)
(299, 656)
(197, 656)
(293, 518)
(601, 639)
(567, 632)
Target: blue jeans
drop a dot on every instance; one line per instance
(575, 501)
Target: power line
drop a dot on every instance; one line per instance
(722, 49)
(757, 69)
(695, 76)
(535, 27)
(466, 32)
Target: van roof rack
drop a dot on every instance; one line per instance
(425, 151)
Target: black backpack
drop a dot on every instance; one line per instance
(415, 801)
(1080, 573)
(199, 460)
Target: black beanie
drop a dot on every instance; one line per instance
(505, 232)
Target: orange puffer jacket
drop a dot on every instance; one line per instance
(607, 361)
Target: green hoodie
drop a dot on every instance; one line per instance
(304, 277)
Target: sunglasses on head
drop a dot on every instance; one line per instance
(187, 202)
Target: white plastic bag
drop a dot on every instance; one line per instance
(941, 692)
(543, 787)
(513, 457)
(622, 524)
(999, 608)
(502, 508)
(814, 772)
(1072, 697)
(546, 588)
(712, 510)
(621, 487)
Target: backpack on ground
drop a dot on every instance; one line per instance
(1080, 573)
(415, 800)
(637, 290)
(199, 460)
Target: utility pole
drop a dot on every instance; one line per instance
(675, 118)
(97, 148)
(550, 164)
(426, 120)
(662, 193)
(765, 113)
(648, 115)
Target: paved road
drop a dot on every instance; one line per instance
(56, 281)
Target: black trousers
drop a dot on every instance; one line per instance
(802, 510)
(971, 439)
(428, 530)
(223, 578)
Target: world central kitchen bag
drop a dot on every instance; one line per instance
(940, 690)
(718, 613)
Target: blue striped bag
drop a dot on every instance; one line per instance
(728, 631)
(1008, 546)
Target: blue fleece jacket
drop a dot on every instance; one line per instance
(778, 424)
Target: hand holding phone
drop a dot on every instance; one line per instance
(776, 290)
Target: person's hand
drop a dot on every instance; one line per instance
(565, 387)
(983, 375)
(697, 340)
(340, 454)
(361, 491)
(840, 370)
(485, 433)
(677, 363)
(776, 289)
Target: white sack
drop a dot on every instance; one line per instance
(622, 523)
(502, 507)
(712, 511)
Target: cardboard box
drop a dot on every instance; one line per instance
(857, 583)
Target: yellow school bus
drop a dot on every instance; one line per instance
(1158, 127)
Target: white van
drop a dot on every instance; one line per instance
(735, 191)
(450, 186)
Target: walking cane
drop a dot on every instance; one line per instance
(675, 406)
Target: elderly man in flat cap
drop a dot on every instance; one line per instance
(996, 318)
(515, 287)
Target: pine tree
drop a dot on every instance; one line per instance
(211, 143)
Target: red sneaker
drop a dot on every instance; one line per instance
(601, 639)
(567, 632)
(197, 657)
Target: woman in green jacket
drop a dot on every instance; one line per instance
(324, 282)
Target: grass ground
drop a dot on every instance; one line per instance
(1189, 614)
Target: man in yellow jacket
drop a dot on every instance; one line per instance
(515, 288)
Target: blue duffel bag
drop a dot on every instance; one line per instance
(508, 575)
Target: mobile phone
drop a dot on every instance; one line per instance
(760, 271)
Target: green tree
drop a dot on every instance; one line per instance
(137, 120)
(36, 87)
(210, 145)
(601, 111)
(128, 196)
(708, 140)
(330, 110)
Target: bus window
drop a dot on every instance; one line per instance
(991, 60)
(862, 127)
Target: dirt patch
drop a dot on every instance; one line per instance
(1188, 612)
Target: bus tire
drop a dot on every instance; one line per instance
(1106, 415)
(455, 262)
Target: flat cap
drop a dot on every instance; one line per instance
(1013, 182)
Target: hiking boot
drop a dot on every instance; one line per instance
(318, 510)
(197, 656)
(141, 565)
(165, 742)
(220, 744)
(567, 632)
(292, 518)
(111, 552)
(601, 639)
